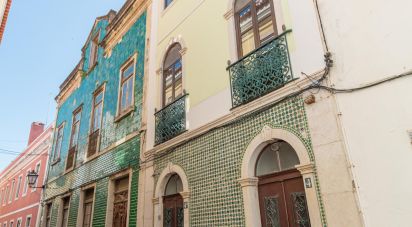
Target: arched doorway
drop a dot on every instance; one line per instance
(173, 211)
(282, 198)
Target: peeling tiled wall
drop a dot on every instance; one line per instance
(124, 156)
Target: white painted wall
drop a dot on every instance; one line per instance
(371, 40)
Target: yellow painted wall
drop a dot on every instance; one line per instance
(203, 29)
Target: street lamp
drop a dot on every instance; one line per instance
(32, 179)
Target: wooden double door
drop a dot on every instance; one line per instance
(173, 212)
(282, 200)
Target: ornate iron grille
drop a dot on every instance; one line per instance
(120, 209)
(261, 71)
(70, 158)
(93, 143)
(300, 209)
(180, 217)
(272, 212)
(168, 217)
(171, 120)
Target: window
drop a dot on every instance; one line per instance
(75, 127)
(6, 195)
(28, 221)
(88, 207)
(126, 87)
(71, 156)
(5, 224)
(120, 204)
(96, 122)
(65, 211)
(26, 184)
(48, 214)
(94, 49)
(18, 224)
(255, 23)
(11, 223)
(18, 187)
(1, 194)
(172, 75)
(276, 157)
(37, 170)
(58, 143)
(11, 190)
(167, 3)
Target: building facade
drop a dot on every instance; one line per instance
(372, 81)
(5, 6)
(94, 164)
(239, 131)
(19, 203)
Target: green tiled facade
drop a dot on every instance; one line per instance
(212, 162)
(119, 138)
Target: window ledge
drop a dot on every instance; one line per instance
(55, 162)
(92, 68)
(124, 114)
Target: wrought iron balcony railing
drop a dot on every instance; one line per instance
(171, 120)
(261, 71)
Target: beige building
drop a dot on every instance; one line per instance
(238, 130)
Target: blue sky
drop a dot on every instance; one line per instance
(41, 45)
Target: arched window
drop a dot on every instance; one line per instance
(255, 24)
(276, 157)
(174, 185)
(172, 74)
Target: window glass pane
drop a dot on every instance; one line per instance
(97, 117)
(168, 95)
(262, 9)
(266, 30)
(268, 161)
(174, 185)
(288, 157)
(98, 98)
(178, 88)
(128, 71)
(168, 2)
(169, 78)
(129, 97)
(248, 42)
(172, 56)
(123, 101)
(245, 19)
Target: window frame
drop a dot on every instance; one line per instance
(101, 89)
(48, 211)
(27, 217)
(12, 185)
(58, 143)
(80, 215)
(255, 26)
(77, 123)
(164, 75)
(132, 61)
(26, 184)
(6, 195)
(19, 181)
(111, 191)
(94, 51)
(62, 208)
(20, 219)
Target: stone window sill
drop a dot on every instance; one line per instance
(124, 114)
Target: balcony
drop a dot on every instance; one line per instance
(260, 72)
(171, 120)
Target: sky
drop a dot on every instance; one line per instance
(40, 47)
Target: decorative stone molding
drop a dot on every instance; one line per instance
(161, 187)
(229, 14)
(306, 169)
(252, 181)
